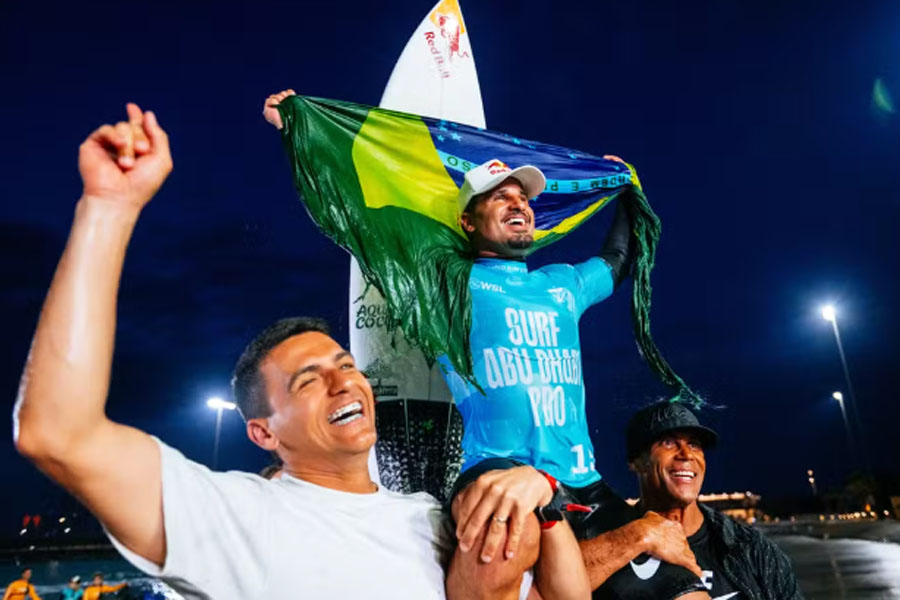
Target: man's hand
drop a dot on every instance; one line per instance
(505, 498)
(270, 107)
(665, 540)
(125, 163)
(613, 157)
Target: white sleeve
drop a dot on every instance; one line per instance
(216, 530)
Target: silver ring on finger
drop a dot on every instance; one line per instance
(501, 519)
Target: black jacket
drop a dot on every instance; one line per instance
(753, 564)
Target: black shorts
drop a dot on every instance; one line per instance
(644, 578)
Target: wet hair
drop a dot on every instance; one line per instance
(247, 384)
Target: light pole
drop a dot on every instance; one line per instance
(840, 399)
(829, 313)
(812, 481)
(218, 405)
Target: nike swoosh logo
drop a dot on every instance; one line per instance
(726, 596)
(646, 570)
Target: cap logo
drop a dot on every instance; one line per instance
(662, 417)
(497, 166)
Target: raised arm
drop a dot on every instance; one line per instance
(59, 418)
(618, 247)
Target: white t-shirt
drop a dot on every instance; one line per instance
(237, 536)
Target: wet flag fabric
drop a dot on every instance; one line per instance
(383, 185)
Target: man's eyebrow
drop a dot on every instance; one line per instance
(314, 368)
(299, 372)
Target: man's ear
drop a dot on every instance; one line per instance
(465, 221)
(259, 433)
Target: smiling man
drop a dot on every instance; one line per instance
(529, 404)
(666, 447)
(322, 530)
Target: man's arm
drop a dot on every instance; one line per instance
(496, 523)
(558, 573)
(618, 246)
(59, 417)
(651, 534)
(32, 593)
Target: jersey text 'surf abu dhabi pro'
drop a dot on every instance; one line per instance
(527, 358)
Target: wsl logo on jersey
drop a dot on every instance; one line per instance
(487, 286)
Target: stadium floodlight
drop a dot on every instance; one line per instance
(218, 405)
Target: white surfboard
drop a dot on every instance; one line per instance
(435, 77)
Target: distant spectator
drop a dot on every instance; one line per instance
(97, 588)
(21, 588)
(73, 590)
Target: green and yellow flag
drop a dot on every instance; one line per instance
(383, 185)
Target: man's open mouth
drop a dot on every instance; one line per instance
(683, 475)
(346, 414)
(516, 221)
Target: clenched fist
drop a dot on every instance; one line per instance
(125, 163)
(270, 107)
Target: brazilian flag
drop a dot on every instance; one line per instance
(383, 185)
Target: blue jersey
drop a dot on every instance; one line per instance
(527, 358)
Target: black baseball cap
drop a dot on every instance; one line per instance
(652, 422)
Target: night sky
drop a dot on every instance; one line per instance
(751, 124)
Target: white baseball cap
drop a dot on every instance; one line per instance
(489, 175)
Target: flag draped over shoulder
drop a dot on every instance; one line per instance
(383, 185)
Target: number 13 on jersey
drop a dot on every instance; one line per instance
(580, 468)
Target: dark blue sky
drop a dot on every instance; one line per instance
(750, 123)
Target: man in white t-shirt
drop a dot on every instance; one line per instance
(323, 530)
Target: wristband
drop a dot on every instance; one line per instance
(547, 516)
(559, 504)
(554, 484)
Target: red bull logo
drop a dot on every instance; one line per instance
(437, 55)
(450, 31)
(496, 167)
(448, 9)
(445, 43)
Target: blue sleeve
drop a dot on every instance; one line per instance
(593, 282)
(590, 282)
